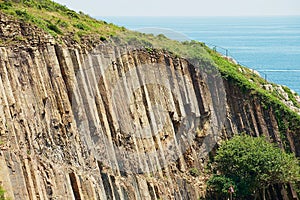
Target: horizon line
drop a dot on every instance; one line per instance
(196, 16)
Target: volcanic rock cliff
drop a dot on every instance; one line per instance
(117, 122)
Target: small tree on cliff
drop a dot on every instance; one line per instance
(252, 165)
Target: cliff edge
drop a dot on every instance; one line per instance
(109, 116)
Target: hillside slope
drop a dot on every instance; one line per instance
(89, 110)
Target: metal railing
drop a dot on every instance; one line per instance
(226, 52)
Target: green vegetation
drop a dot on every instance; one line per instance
(251, 83)
(251, 165)
(62, 22)
(192, 50)
(194, 172)
(2, 192)
(291, 96)
(220, 184)
(57, 19)
(54, 28)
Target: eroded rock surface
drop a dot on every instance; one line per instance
(115, 122)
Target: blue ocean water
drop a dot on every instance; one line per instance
(270, 45)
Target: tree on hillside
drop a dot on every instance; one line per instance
(251, 165)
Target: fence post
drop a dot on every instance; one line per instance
(266, 78)
(215, 49)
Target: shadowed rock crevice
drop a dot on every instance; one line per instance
(75, 187)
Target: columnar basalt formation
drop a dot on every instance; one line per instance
(81, 124)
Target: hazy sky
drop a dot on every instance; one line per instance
(185, 7)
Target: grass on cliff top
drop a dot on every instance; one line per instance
(57, 19)
(60, 21)
(188, 49)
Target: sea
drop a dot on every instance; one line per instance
(270, 45)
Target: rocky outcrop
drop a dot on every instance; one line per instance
(48, 137)
(116, 122)
(19, 33)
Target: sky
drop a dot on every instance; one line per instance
(185, 7)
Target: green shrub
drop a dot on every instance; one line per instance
(30, 3)
(72, 14)
(80, 34)
(61, 7)
(161, 36)
(54, 28)
(23, 14)
(254, 164)
(102, 38)
(62, 23)
(220, 184)
(194, 172)
(81, 26)
(5, 5)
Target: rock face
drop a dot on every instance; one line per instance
(116, 122)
